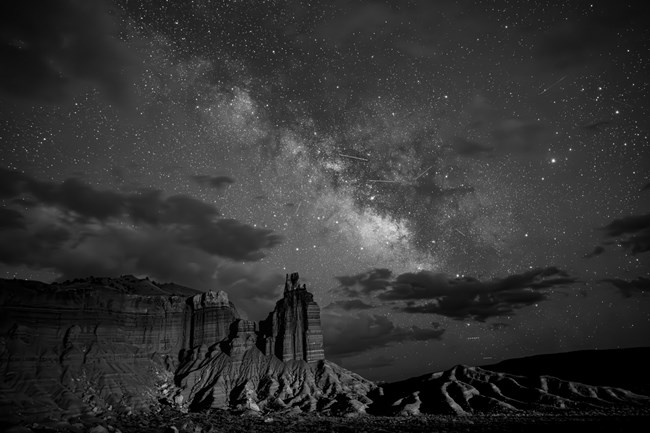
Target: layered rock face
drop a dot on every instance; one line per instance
(211, 318)
(277, 366)
(292, 331)
(116, 343)
(88, 344)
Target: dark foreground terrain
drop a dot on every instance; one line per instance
(221, 421)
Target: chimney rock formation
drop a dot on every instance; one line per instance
(293, 331)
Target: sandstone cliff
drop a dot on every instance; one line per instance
(278, 365)
(98, 344)
(89, 344)
(292, 331)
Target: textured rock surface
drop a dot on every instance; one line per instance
(96, 344)
(89, 344)
(466, 390)
(212, 316)
(250, 380)
(293, 330)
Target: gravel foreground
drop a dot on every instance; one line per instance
(224, 422)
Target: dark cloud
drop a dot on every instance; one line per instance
(151, 207)
(72, 195)
(479, 309)
(48, 49)
(253, 288)
(350, 304)
(73, 229)
(496, 326)
(118, 174)
(629, 288)
(468, 298)
(347, 335)
(34, 247)
(365, 283)
(465, 147)
(585, 40)
(194, 222)
(598, 250)
(113, 251)
(505, 134)
(597, 125)
(233, 239)
(213, 181)
(11, 219)
(646, 187)
(87, 202)
(631, 232)
(627, 225)
(78, 197)
(519, 136)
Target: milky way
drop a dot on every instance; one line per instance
(366, 145)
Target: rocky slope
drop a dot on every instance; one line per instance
(252, 381)
(464, 390)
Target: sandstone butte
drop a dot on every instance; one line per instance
(126, 345)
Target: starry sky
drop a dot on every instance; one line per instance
(456, 182)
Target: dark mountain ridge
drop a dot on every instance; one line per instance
(624, 368)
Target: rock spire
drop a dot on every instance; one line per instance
(293, 330)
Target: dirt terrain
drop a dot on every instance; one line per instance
(221, 421)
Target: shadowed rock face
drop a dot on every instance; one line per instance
(292, 331)
(112, 343)
(91, 343)
(212, 315)
(249, 380)
(279, 366)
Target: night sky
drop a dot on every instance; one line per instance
(456, 182)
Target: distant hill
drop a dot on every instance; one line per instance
(624, 368)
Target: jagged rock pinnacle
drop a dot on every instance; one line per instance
(291, 283)
(293, 330)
